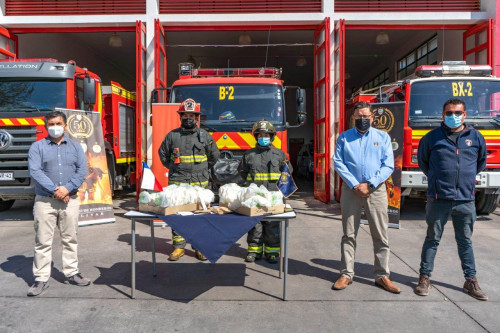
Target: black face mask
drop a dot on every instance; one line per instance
(188, 123)
(362, 124)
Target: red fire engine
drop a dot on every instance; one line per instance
(232, 100)
(31, 88)
(424, 94)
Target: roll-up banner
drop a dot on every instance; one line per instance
(96, 203)
(389, 117)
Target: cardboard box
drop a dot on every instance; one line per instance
(278, 209)
(168, 210)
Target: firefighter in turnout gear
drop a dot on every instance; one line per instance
(262, 165)
(188, 152)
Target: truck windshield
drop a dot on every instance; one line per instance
(481, 97)
(32, 95)
(237, 103)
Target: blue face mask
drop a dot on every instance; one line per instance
(264, 142)
(453, 121)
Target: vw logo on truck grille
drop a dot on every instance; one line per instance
(5, 140)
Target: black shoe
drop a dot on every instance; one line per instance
(272, 258)
(252, 256)
(37, 288)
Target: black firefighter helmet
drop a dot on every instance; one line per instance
(263, 126)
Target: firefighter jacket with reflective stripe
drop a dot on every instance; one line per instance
(263, 166)
(189, 155)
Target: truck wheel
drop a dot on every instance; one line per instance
(486, 203)
(6, 204)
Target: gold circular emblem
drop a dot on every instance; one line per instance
(383, 119)
(80, 126)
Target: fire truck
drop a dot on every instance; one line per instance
(231, 100)
(424, 94)
(29, 89)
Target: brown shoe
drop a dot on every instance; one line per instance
(342, 283)
(386, 283)
(174, 256)
(472, 287)
(199, 255)
(424, 284)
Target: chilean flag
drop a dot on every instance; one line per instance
(149, 181)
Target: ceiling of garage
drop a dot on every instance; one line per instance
(118, 64)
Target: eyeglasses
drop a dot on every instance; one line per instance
(363, 116)
(456, 113)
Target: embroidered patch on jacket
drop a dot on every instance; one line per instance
(468, 142)
(375, 144)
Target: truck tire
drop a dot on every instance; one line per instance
(6, 204)
(486, 203)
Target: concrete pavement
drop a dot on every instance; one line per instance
(233, 296)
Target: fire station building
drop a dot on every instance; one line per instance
(332, 48)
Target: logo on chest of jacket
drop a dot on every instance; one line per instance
(468, 142)
(375, 144)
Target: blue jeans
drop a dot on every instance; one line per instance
(463, 215)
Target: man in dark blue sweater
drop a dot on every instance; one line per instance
(451, 156)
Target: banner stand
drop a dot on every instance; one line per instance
(94, 196)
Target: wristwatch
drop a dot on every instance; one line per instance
(370, 185)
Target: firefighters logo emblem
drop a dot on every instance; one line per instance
(383, 119)
(375, 144)
(80, 126)
(189, 105)
(468, 142)
(5, 140)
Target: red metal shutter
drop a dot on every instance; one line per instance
(234, 6)
(160, 61)
(141, 100)
(407, 5)
(73, 7)
(8, 44)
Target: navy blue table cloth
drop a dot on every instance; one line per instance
(211, 234)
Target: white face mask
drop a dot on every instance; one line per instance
(56, 131)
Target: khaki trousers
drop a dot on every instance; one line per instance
(376, 212)
(49, 213)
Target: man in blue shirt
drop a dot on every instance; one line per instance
(364, 160)
(58, 167)
(451, 156)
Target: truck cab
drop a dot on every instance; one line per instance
(29, 89)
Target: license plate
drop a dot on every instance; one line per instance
(6, 176)
(424, 179)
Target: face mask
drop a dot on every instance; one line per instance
(55, 131)
(453, 121)
(264, 142)
(362, 124)
(188, 123)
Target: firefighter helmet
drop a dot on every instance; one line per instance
(263, 126)
(189, 106)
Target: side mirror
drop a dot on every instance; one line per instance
(89, 91)
(300, 95)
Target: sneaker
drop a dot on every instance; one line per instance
(252, 256)
(37, 288)
(78, 280)
(272, 258)
(424, 284)
(471, 286)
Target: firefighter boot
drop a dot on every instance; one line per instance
(174, 256)
(252, 256)
(199, 255)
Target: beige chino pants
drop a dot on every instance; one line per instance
(50, 213)
(376, 212)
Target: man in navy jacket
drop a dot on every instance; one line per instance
(451, 156)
